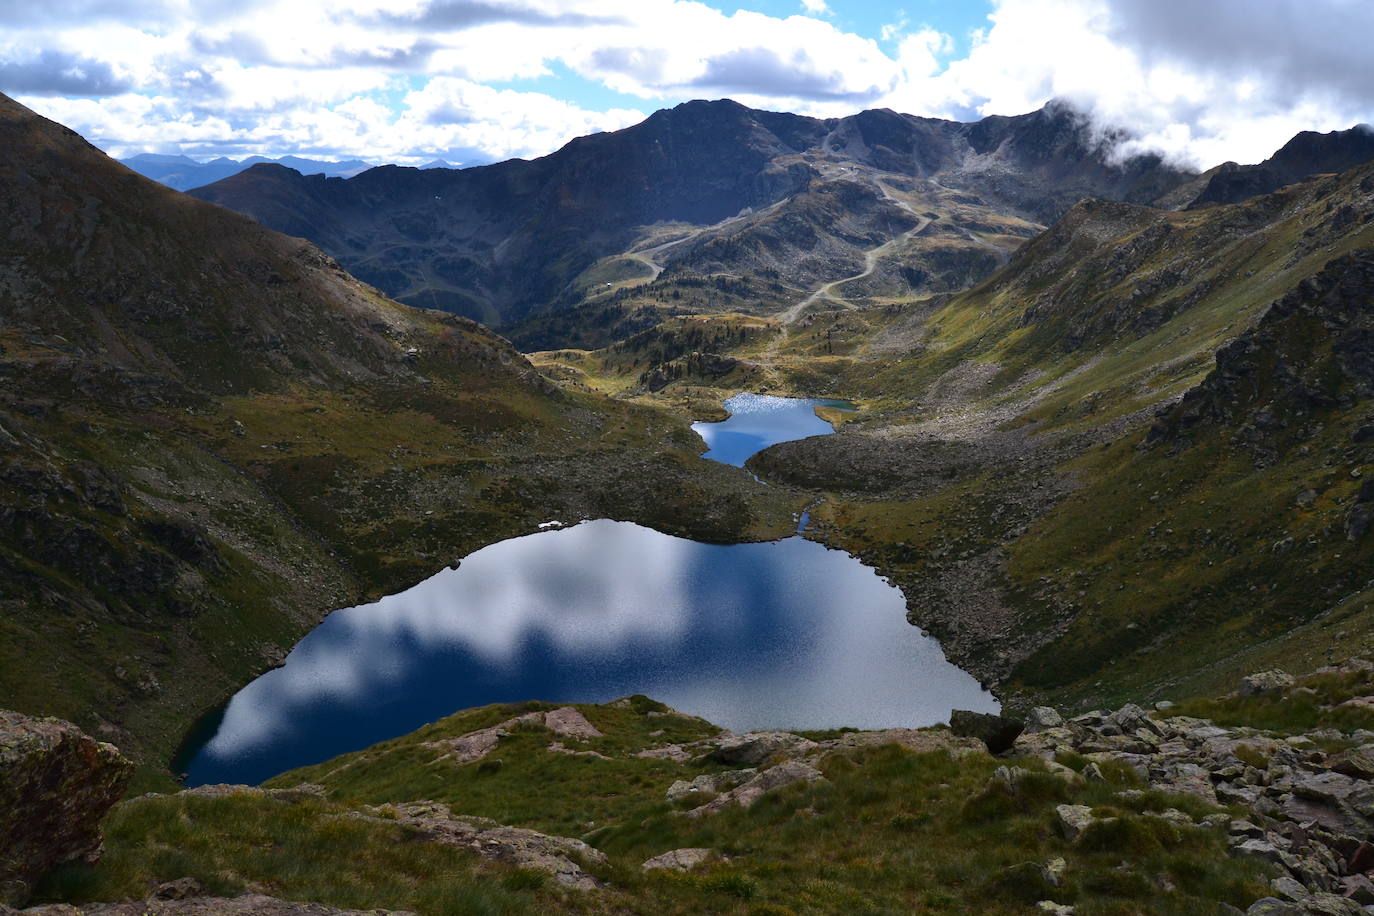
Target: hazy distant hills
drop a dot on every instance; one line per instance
(806, 200)
(184, 173)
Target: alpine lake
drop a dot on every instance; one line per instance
(786, 634)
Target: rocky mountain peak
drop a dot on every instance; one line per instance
(1308, 153)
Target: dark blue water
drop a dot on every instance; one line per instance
(785, 634)
(760, 420)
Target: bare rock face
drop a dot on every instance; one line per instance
(56, 783)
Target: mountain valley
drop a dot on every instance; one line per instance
(1114, 441)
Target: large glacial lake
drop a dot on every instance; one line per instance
(787, 634)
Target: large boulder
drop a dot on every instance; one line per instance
(1274, 680)
(711, 784)
(56, 783)
(998, 733)
(679, 859)
(754, 748)
(1043, 718)
(1129, 720)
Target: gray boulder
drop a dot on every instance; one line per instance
(754, 748)
(1357, 762)
(1073, 819)
(1042, 718)
(709, 784)
(1271, 681)
(679, 859)
(1128, 720)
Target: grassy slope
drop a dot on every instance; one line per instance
(1164, 560)
(891, 830)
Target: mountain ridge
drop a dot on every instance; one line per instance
(1306, 154)
(184, 173)
(438, 238)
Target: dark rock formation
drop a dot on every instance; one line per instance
(997, 732)
(1312, 352)
(56, 783)
(1307, 154)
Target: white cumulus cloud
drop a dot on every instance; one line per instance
(476, 80)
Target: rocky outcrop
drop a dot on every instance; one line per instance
(475, 745)
(756, 786)
(56, 783)
(754, 748)
(517, 846)
(247, 905)
(997, 732)
(1310, 355)
(1311, 813)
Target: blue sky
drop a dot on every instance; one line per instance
(957, 19)
(474, 81)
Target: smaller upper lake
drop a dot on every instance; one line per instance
(760, 420)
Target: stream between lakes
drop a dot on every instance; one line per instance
(787, 634)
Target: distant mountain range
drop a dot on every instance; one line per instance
(184, 173)
(704, 190)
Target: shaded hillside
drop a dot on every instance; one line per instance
(1307, 154)
(213, 435)
(518, 239)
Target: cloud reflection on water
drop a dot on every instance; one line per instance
(783, 634)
